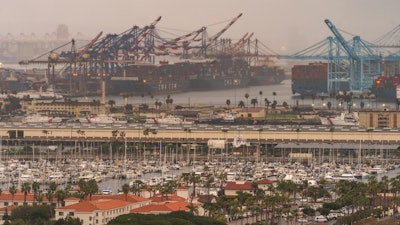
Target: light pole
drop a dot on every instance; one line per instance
(235, 82)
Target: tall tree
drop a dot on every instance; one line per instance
(246, 95)
(12, 191)
(228, 102)
(254, 102)
(26, 188)
(125, 189)
(241, 104)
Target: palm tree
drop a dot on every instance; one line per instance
(137, 187)
(329, 105)
(158, 106)
(267, 103)
(194, 179)
(241, 104)
(362, 104)
(260, 93)
(35, 189)
(51, 191)
(247, 97)
(169, 101)
(111, 103)
(114, 134)
(60, 195)
(254, 102)
(228, 102)
(274, 94)
(125, 189)
(12, 191)
(384, 184)
(26, 188)
(91, 188)
(395, 188)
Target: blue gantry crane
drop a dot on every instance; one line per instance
(361, 66)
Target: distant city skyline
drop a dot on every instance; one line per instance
(286, 26)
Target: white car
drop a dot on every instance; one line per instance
(302, 220)
(332, 216)
(320, 219)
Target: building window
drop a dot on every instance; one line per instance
(97, 221)
(371, 120)
(5, 203)
(71, 213)
(60, 213)
(90, 218)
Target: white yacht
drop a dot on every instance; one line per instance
(228, 118)
(345, 176)
(170, 119)
(37, 118)
(344, 119)
(240, 141)
(377, 170)
(102, 118)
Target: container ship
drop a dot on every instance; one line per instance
(310, 79)
(191, 75)
(384, 87)
(266, 75)
(9, 81)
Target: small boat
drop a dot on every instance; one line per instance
(107, 191)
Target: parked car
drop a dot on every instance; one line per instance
(302, 220)
(332, 216)
(320, 219)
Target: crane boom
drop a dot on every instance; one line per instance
(91, 43)
(239, 45)
(144, 34)
(341, 39)
(216, 36)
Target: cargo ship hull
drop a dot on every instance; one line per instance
(218, 83)
(223, 72)
(312, 79)
(266, 75)
(384, 87)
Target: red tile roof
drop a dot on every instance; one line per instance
(19, 197)
(169, 198)
(167, 207)
(9, 208)
(265, 181)
(130, 198)
(250, 109)
(238, 186)
(101, 204)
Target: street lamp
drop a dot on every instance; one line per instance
(235, 83)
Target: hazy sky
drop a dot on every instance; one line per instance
(286, 26)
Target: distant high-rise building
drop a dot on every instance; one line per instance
(62, 32)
